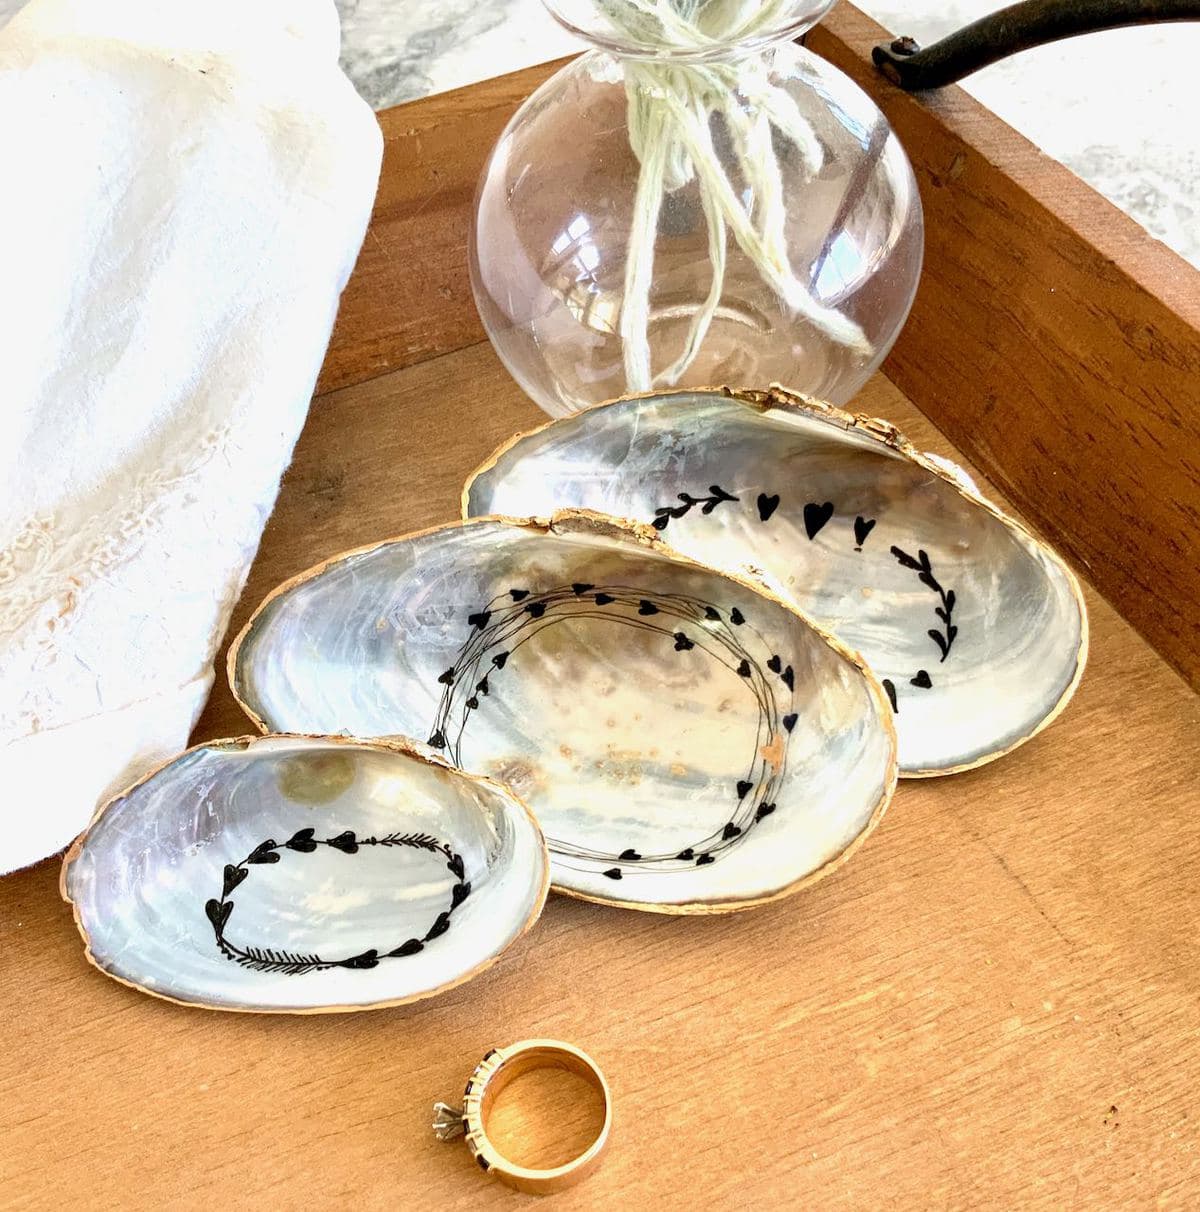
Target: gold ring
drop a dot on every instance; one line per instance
(491, 1075)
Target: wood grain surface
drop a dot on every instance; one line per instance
(994, 1004)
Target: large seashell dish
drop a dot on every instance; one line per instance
(301, 874)
(976, 629)
(688, 742)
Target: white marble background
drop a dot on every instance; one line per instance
(1119, 108)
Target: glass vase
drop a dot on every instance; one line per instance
(699, 201)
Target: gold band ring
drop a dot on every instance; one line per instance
(492, 1074)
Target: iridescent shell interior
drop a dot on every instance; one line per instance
(977, 630)
(686, 742)
(297, 873)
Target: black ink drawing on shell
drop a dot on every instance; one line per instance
(290, 963)
(945, 635)
(815, 517)
(862, 528)
(767, 505)
(716, 496)
(696, 629)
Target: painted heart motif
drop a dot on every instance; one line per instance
(536, 609)
(446, 678)
(233, 877)
(436, 740)
(730, 831)
(789, 721)
(368, 959)
(891, 693)
(629, 856)
(499, 659)
(409, 948)
(789, 678)
(815, 517)
(614, 873)
(767, 505)
(346, 842)
(603, 599)
(579, 587)
(704, 859)
(459, 894)
(302, 841)
(922, 679)
(775, 665)
(479, 618)
(218, 913)
(862, 528)
(682, 643)
(264, 852)
(439, 927)
(744, 668)
(736, 617)
(743, 788)
(518, 595)
(456, 865)
(647, 607)
(711, 612)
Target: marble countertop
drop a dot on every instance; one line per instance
(1117, 108)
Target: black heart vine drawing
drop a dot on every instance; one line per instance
(690, 625)
(817, 515)
(219, 910)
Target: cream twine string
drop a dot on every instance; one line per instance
(670, 107)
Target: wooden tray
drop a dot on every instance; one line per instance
(994, 1004)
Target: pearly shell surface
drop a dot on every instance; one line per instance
(688, 743)
(294, 873)
(977, 630)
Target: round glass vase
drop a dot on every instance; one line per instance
(694, 204)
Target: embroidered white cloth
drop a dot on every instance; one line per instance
(183, 190)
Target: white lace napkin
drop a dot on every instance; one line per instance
(183, 190)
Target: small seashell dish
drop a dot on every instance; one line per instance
(977, 630)
(689, 742)
(304, 874)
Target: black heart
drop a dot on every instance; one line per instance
(789, 721)
(437, 740)
(301, 840)
(682, 643)
(579, 587)
(439, 927)
(368, 959)
(862, 528)
(730, 831)
(711, 612)
(613, 873)
(629, 856)
(264, 853)
(891, 693)
(647, 607)
(815, 516)
(603, 599)
(472, 703)
(218, 913)
(687, 854)
(345, 842)
(743, 787)
(233, 877)
(446, 678)
(480, 618)
(460, 894)
(481, 687)
(662, 521)
(767, 505)
(499, 659)
(789, 678)
(537, 609)
(518, 595)
(736, 617)
(703, 859)
(410, 948)
(775, 665)
(764, 810)
(922, 679)
(456, 865)
(744, 669)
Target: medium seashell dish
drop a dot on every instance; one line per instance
(303, 874)
(977, 630)
(689, 742)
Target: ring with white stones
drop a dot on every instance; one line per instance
(492, 1074)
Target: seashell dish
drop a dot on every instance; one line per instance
(689, 742)
(302, 874)
(977, 630)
